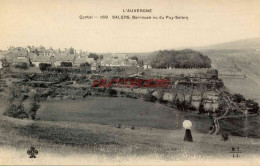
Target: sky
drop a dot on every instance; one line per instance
(56, 24)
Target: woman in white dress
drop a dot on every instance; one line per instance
(187, 125)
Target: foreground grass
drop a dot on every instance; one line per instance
(71, 137)
(65, 138)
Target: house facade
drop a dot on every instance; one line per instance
(94, 66)
(40, 59)
(118, 62)
(18, 56)
(62, 57)
(147, 64)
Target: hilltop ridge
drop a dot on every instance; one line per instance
(244, 44)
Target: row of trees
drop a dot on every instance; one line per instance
(180, 59)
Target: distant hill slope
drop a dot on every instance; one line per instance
(238, 57)
(250, 44)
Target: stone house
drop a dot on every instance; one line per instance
(147, 64)
(62, 57)
(48, 53)
(90, 60)
(106, 62)
(20, 56)
(79, 60)
(130, 62)
(36, 60)
(94, 66)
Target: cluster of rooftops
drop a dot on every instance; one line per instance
(37, 55)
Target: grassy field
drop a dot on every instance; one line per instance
(116, 111)
(90, 126)
(136, 113)
(67, 138)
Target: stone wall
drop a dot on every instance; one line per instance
(204, 72)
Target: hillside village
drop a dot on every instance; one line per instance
(126, 83)
(69, 75)
(33, 56)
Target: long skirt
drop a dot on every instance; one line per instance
(188, 136)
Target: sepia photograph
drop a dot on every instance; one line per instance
(133, 82)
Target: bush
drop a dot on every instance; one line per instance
(86, 64)
(44, 66)
(253, 106)
(219, 84)
(15, 93)
(192, 108)
(132, 95)
(161, 101)
(149, 97)
(4, 62)
(21, 65)
(201, 108)
(238, 98)
(34, 106)
(16, 110)
(66, 64)
(213, 73)
(182, 105)
(112, 92)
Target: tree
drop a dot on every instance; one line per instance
(4, 62)
(238, 98)
(15, 107)
(66, 64)
(37, 52)
(253, 106)
(180, 59)
(33, 100)
(139, 60)
(201, 107)
(71, 51)
(134, 58)
(112, 92)
(86, 64)
(94, 56)
(44, 66)
(21, 65)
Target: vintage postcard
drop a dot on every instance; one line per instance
(133, 82)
